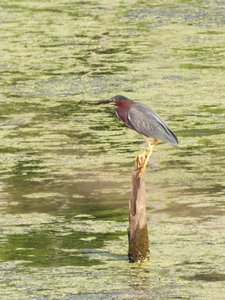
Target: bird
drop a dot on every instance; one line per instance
(144, 121)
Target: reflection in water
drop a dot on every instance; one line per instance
(65, 163)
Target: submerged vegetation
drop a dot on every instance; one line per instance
(65, 163)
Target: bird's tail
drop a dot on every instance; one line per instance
(172, 138)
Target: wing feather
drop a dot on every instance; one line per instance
(145, 121)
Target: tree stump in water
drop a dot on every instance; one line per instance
(138, 228)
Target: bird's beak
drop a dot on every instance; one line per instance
(105, 101)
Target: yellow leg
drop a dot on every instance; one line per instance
(145, 162)
(142, 159)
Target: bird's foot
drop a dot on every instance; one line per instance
(140, 158)
(141, 171)
(142, 161)
(140, 164)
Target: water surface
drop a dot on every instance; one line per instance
(65, 163)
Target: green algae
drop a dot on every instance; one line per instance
(65, 164)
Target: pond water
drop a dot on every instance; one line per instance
(66, 164)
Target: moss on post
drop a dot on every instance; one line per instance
(139, 246)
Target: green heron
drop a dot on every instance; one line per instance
(145, 121)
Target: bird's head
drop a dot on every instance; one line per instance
(117, 100)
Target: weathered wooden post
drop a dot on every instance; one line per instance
(138, 229)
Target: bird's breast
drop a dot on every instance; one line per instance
(122, 113)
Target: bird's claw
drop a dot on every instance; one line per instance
(141, 164)
(141, 171)
(142, 161)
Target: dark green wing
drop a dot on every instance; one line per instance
(145, 121)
